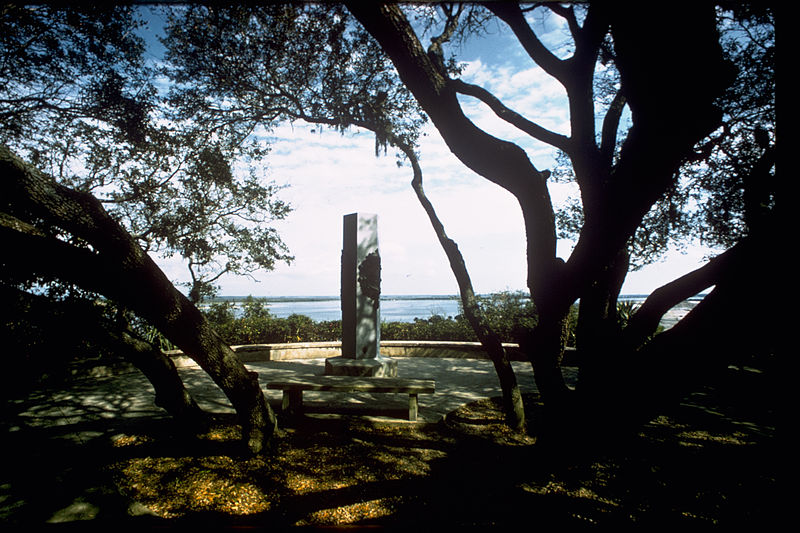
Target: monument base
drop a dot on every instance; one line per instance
(379, 367)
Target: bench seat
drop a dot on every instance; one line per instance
(293, 388)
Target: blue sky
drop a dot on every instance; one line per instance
(329, 175)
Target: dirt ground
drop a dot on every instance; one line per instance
(713, 460)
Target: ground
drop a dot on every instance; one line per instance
(712, 460)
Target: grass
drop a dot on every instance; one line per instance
(711, 461)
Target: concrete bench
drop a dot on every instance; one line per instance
(293, 388)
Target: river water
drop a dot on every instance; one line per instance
(393, 308)
(407, 308)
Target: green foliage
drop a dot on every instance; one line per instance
(570, 327)
(80, 101)
(625, 310)
(255, 309)
(152, 335)
(235, 68)
(219, 313)
(434, 328)
(63, 67)
(508, 313)
(327, 330)
(257, 325)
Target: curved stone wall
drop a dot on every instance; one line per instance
(319, 350)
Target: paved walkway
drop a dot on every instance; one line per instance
(39, 479)
(82, 410)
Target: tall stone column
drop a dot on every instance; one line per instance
(360, 300)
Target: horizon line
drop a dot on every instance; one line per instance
(409, 295)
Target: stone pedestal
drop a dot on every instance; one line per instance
(379, 367)
(360, 300)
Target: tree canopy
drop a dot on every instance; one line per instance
(694, 160)
(672, 136)
(247, 67)
(81, 99)
(97, 175)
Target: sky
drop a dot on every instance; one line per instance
(328, 175)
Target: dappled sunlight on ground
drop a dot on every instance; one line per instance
(709, 460)
(350, 471)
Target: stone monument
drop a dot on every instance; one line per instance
(360, 300)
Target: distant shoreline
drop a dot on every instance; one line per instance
(331, 298)
(397, 308)
(388, 297)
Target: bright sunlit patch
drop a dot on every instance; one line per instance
(122, 440)
(349, 514)
(174, 487)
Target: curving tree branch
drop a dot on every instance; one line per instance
(512, 117)
(499, 161)
(512, 396)
(511, 13)
(608, 140)
(118, 268)
(645, 320)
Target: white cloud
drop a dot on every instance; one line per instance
(330, 175)
(674, 265)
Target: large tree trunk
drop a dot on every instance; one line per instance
(118, 268)
(667, 121)
(79, 325)
(501, 162)
(598, 331)
(727, 327)
(171, 395)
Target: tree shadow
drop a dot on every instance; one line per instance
(701, 463)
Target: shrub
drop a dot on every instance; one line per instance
(301, 329)
(434, 328)
(508, 313)
(219, 313)
(328, 330)
(255, 309)
(625, 310)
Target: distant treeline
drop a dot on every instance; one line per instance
(509, 314)
(241, 299)
(249, 321)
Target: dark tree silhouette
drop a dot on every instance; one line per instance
(105, 259)
(635, 185)
(619, 185)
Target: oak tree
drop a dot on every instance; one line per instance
(672, 122)
(81, 99)
(251, 67)
(96, 176)
(666, 176)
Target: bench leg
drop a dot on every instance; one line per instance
(413, 407)
(292, 400)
